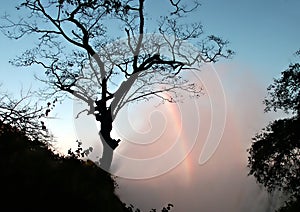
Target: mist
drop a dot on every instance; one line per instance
(192, 154)
(222, 182)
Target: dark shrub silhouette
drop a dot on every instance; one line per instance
(33, 178)
(274, 156)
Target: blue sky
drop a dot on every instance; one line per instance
(263, 33)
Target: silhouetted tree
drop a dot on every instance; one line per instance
(275, 153)
(24, 115)
(78, 49)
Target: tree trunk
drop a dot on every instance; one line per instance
(107, 154)
(109, 144)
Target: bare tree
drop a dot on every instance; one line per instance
(24, 115)
(80, 50)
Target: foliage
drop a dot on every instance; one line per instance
(284, 93)
(33, 178)
(275, 153)
(131, 208)
(291, 206)
(80, 153)
(275, 156)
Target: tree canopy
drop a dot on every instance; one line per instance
(80, 48)
(275, 153)
(284, 93)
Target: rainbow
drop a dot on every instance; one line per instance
(185, 149)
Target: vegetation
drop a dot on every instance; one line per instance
(83, 57)
(275, 153)
(33, 178)
(21, 114)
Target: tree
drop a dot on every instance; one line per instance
(82, 56)
(275, 153)
(25, 116)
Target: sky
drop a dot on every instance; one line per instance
(264, 34)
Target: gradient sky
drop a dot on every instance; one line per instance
(264, 34)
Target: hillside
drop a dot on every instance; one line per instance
(33, 178)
